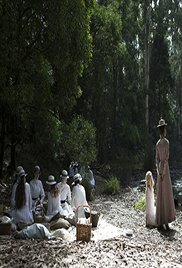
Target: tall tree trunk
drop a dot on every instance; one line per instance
(146, 58)
(148, 146)
(114, 112)
(2, 142)
(180, 100)
(13, 143)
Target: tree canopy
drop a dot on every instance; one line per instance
(88, 80)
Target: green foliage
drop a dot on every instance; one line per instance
(68, 36)
(41, 145)
(114, 96)
(141, 204)
(161, 82)
(112, 186)
(45, 46)
(98, 87)
(85, 57)
(111, 88)
(79, 141)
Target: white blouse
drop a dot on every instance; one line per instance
(37, 189)
(65, 194)
(78, 196)
(79, 199)
(24, 214)
(91, 178)
(54, 205)
(65, 191)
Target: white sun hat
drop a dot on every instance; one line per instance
(51, 180)
(77, 177)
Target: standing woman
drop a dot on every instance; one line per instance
(21, 201)
(165, 208)
(149, 200)
(91, 178)
(78, 195)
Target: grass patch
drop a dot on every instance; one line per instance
(141, 203)
(112, 186)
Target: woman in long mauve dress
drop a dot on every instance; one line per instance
(165, 208)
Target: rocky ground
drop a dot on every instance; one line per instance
(146, 248)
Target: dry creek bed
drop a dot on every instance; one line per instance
(147, 248)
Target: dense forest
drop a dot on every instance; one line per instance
(88, 81)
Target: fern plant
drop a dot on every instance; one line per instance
(141, 203)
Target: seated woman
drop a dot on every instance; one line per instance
(54, 199)
(37, 190)
(21, 201)
(14, 185)
(149, 196)
(15, 177)
(78, 195)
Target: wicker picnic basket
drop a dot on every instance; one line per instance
(83, 230)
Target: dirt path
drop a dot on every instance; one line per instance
(147, 248)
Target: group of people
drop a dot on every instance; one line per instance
(74, 168)
(61, 199)
(65, 201)
(164, 212)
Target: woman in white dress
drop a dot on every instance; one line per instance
(37, 190)
(54, 199)
(21, 201)
(15, 183)
(15, 177)
(65, 193)
(78, 195)
(91, 178)
(149, 195)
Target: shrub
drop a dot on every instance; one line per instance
(79, 140)
(141, 204)
(112, 186)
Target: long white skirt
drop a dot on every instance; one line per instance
(67, 209)
(150, 208)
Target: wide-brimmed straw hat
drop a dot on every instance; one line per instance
(51, 180)
(22, 173)
(77, 177)
(64, 174)
(18, 169)
(36, 169)
(162, 123)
